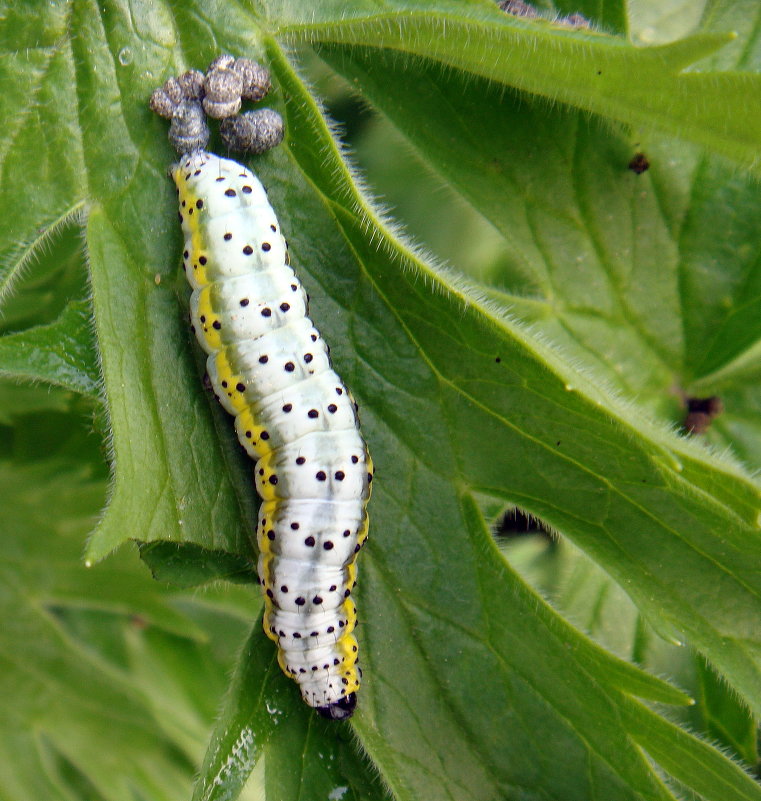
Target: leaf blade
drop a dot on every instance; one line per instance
(590, 71)
(61, 353)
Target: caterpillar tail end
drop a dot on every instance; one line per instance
(342, 709)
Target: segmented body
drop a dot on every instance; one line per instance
(270, 369)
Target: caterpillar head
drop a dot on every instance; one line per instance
(342, 709)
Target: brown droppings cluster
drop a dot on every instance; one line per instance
(187, 99)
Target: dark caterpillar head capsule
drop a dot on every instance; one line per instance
(342, 709)
(253, 132)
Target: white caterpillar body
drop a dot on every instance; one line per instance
(270, 368)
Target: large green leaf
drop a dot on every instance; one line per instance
(305, 756)
(579, 195)
(587, 596)
(474, 687)
(109, 680)
(82, 655)
(62, 353)
(635, 295)
(648, 87)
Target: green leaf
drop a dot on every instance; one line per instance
(19, 400)
(189, 565)
(476, 394)
(24, 257)
(330, 762)
(586, 595)
(610, 15)
(305, 756)
(541, 202)
(585, 69)
(43, 183)
(726, 718)
(691, 761)
(623, 228)
(62, 353)
(109, 683)
(153, 400)
(68, 691)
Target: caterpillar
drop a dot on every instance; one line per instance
(271, 369)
